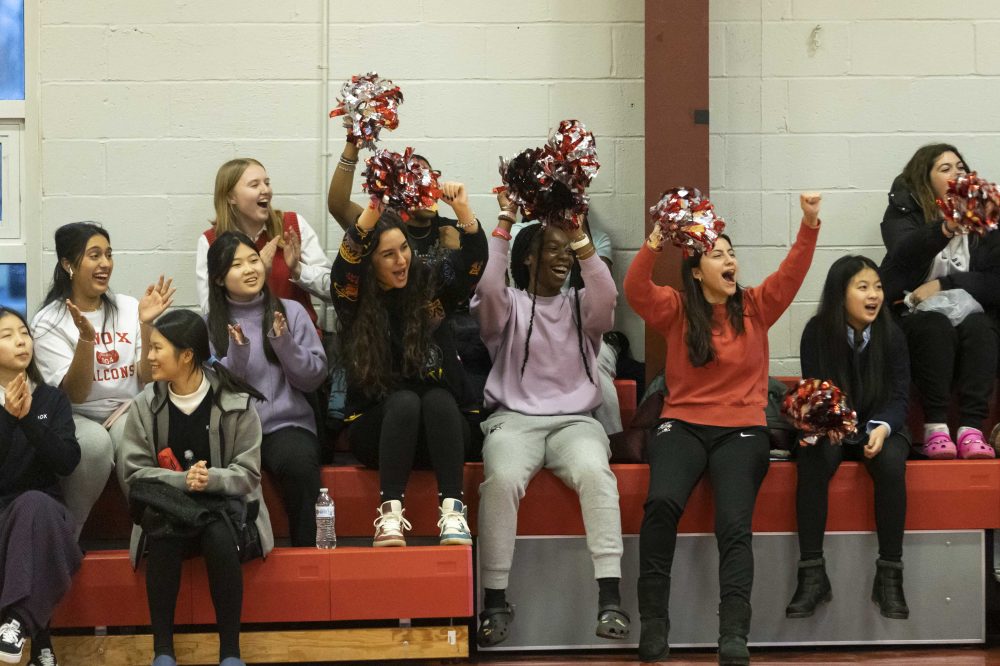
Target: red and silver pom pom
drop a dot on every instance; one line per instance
(819, 409)
(369, 103)
(399, 181)
(576, 150)
(687, 219)
(549, 183)
(973, 203)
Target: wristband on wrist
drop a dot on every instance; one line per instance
(580, 243)
(508, 217)
(501, 233)
(346, 161)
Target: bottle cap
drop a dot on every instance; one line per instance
(324, 490)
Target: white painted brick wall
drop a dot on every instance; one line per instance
(842, 116)
(142, 101)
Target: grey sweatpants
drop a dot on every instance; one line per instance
(98, 452)
(576, 449)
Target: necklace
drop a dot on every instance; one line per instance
(84, 309)
(409, 230)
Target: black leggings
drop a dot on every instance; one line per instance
(816, 466)
(292, 455)
(736, 460)
(942, 354)
(406, 428)
(225, 580)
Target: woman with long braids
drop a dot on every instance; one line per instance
(853, 342)
(543, 388)
(712, 419)
(405, 383)
(271, 342)
(197, 412)
(89, 343)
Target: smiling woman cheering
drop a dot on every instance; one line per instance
(243, 203)
(405, 382)
(713, 418)
(89, 342)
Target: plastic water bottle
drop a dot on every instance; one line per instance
(326, 535)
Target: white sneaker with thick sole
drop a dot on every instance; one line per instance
(390, 524)
(453, 524)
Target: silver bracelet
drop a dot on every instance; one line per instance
(474, 221)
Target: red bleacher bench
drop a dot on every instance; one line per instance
(353, 584)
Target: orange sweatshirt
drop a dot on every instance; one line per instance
(730, 391)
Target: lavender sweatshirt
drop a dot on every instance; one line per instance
(301, 364)
(554, 380)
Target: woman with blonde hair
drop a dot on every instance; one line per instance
(297, 267)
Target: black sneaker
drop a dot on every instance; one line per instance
(11, 641)
(45, 657)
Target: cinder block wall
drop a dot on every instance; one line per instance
(836, 95)
(142, 101)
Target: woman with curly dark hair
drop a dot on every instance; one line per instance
(405, 380)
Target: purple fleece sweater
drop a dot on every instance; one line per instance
(554, 380)
(301, 364)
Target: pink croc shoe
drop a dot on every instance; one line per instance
(972, 446)
(940, 447)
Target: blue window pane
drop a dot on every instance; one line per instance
(14, 287)
(11, 49)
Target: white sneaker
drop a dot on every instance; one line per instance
(11, 641)
(45, 657)
(390, 524)
(454, 526)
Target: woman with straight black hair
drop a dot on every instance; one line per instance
(38, 448)
(272, 342)
(929, 258)
(405, 384)
(198, 417)
(853, 342)
(89, 343)
(712, 419)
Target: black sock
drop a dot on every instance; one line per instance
(815, 555)
(607, 592)
(894, 558)
(495, 598)
(40, 641)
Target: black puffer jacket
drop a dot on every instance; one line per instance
(911, 244)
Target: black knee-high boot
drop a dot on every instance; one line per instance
(654, 592)
(734, 625)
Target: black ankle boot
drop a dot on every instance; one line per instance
(813, 589)
(654, 591)
(734, 625)
(887, 592)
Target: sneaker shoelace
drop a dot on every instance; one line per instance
(453, 522)
(45, 658)
(391, 523)
(10, 632)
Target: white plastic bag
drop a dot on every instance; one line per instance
(956, 304)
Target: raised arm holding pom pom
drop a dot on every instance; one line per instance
(713, 418)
